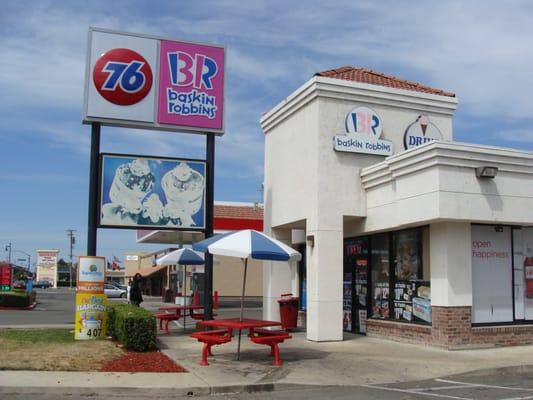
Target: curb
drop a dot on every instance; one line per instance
(30, 307)
(173, 392)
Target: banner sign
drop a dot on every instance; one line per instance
(47, 266)
(152, 83)
(90, 320)
(363, 132)
(162, 193)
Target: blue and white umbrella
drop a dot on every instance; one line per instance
(182, 257)
(247, 244)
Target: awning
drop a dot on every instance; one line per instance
(147, 271)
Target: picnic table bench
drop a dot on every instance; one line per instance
(270, 338)
(257, 334)
(210, 339)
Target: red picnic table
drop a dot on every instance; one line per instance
(166, 317)
(256, 333)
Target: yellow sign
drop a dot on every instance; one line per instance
(90, 299)
(90, 316)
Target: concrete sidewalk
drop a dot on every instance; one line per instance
(358, 360)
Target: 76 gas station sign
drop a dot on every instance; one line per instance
(151, 83)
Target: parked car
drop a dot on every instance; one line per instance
(19, 285)
(117, 285)
(42, 284)
(113, 291)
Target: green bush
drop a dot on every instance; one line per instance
(17, 299)
(133, 326)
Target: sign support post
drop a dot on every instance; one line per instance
(93, 189)
(209, 211)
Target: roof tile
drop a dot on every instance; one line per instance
(241, 212)
(369, 76)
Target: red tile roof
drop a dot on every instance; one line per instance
(239, 212)
(364, 75)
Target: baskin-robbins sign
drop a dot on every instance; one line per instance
(419, 132)
(147, 82)
(363, 131)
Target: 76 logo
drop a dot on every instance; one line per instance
(122, 76)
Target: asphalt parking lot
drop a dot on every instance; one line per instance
(56, 307)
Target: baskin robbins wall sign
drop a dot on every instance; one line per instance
(363, 131)
(152, 83)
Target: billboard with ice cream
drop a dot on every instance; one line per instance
(162, 193)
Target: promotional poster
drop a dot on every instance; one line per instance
(90, 319)
(47, 266)
(152, 192)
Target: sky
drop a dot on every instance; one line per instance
(479, 50)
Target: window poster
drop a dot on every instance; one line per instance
(347, 302)
(406, 256)
(523, 273)
(492, 294)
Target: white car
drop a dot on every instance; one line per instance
(112, 291)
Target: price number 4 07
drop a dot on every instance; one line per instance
(96, 332)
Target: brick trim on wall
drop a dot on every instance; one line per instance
(451, 329)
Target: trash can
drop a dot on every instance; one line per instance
(288, 311)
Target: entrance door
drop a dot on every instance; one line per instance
(356, 295)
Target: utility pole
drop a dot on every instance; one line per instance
(8, 248)
(72, 242)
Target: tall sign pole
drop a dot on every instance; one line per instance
(209, 214)
(93, 189)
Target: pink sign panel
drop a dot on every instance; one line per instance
(191, 85)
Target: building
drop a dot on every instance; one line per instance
(227, 271)
(406, 234)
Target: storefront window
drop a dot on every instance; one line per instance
(492, 293)
(387, 276)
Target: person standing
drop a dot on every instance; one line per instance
(128, 289)
(136, 297)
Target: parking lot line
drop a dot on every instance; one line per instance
(414, 391)
(486, 386)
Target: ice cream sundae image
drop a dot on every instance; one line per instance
(184, 189)
(132, 183)
(149, 192)
(152, 208)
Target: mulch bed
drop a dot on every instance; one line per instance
(151, 361)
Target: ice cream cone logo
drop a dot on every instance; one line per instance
(423, 120)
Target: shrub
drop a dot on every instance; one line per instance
(17, 299)
(133, 326)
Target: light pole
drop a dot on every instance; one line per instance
(72, 242)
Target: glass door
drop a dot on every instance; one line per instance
(355, 285)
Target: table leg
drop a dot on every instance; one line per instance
(239, 346)
(205, 351)
(275, 351)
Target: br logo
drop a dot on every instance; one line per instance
(363, 120)
(197, 71)
(122, 77)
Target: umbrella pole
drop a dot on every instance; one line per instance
(242, 306)
(184, 296)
